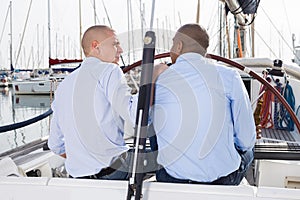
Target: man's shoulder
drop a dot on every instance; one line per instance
(226, 69)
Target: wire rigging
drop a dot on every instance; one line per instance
(287, 18)
(27, 17)
(281, 36)
(4, 24)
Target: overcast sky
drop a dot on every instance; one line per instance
(275, 23)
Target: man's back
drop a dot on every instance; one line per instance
(194, 121)
(84, 116)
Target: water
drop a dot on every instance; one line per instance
(18, 108)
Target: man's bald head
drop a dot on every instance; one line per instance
(94, 33)
(194, 38)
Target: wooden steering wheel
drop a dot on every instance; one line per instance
(242, 68)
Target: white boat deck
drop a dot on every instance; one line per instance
(66, 188)
(278, 144)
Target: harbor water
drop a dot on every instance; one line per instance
(18, 108)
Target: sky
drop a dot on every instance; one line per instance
(275, 23)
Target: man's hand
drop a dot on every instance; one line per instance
(158, 69)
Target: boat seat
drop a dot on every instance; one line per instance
(42, 162)
(9, 168)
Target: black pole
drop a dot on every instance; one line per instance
(137, 163)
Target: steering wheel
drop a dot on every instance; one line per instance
(242, 68)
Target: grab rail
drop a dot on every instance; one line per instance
(26, 122)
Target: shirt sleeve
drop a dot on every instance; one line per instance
(244, 126)
(56, 138)
(118, 94)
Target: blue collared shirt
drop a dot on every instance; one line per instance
(89, 111)
(202, 113)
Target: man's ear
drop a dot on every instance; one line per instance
(179, 47)
(94, 44)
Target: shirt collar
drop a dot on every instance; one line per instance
(190, 56)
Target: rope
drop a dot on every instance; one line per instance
(266, 111)
(266, 107)
(277, 113)
(285, 116)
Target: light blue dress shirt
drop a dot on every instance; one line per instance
(202, 113)
(89, 110)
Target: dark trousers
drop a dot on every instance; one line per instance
(233, 178)
(122, 171)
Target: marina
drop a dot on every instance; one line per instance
(14, 109)
(271, 77)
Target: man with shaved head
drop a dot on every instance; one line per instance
(89, 110)
(202, 116)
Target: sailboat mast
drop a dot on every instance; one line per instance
(252, 39)
(198, 13)
(220, 28)
(10, 45)
(80, 27)
(49, 32)
(95, 14)
(38, 45)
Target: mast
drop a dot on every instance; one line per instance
(198, 13)
(128, 27)
(142, 17)
(10, 44)
(38, 46)
(49, 33)
(252, 39)
(95, 14)
(80, 27)
(220, 28)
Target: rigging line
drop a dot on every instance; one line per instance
(142, 15)
(279, 32)
(145, 23)
(97, 17)
(106, 13)
(218, 31)
(19, 51)
(288, 21)
(217, 34)
(213, 17)
(270, 49)
(110, 26)
(94, 8)
(4, 24)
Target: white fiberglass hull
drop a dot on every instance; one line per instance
(67, 189)
(34, 87)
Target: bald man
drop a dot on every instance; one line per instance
(89, 111)
(202, 116)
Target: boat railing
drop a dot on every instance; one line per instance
(26, 122)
